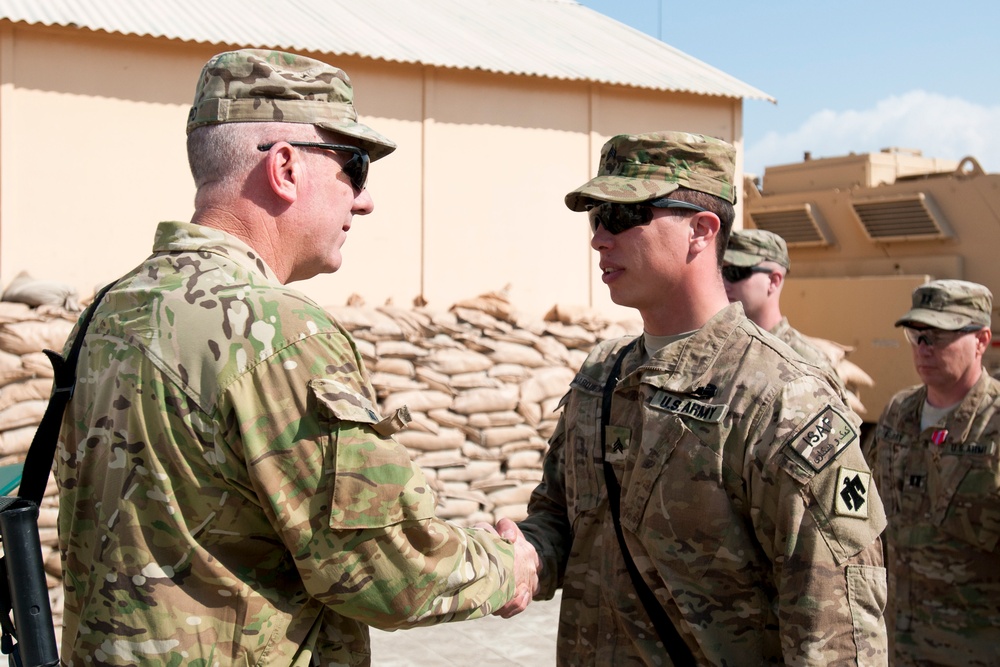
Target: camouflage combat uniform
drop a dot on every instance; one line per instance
(746, 504)
(229, 491)
(795, 340)
(941, 489)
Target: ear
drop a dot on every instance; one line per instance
(777, 279)
(704, 230)
(283, 167)
(983, 338)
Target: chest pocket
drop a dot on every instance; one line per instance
(684, 503)
(582, 454)
(661, 434)
(967, 502)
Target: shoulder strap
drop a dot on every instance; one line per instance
(679, 652)
(38, 462)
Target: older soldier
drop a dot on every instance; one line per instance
(704, 500)
(230, 493)
(754, 269)
(936, 458)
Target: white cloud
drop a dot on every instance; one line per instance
(941, 127)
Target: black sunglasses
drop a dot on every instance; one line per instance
(734, 274)
(356, 168)
(617, 218)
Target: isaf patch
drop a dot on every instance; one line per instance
(851, 498)
(823, 438)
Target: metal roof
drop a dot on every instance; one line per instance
(558, 39)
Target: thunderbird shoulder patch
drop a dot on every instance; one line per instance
(823, 438)
(851, 497)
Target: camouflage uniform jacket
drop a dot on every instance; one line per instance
(746, 504)
(227, 495)
(942, 496)
(795, 340)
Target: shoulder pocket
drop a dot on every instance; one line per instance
(344, 404)
(374, 482)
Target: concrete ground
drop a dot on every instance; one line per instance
(527, 640)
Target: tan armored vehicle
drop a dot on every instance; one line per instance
(862, 232)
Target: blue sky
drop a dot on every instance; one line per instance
(849, 76)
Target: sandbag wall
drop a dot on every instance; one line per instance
(481, 384)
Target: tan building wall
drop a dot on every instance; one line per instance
(92, 155)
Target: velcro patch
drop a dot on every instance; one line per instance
(851, 497)
(587, 384)
(823, 438)
(988, 448)
(688, 407)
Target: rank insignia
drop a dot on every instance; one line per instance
(616, 442)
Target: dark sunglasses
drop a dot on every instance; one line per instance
(617, 218)
(356, 168)
(734, 274)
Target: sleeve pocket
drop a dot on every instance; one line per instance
(867, 594)
(374, 482)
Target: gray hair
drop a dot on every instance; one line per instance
(223, 154)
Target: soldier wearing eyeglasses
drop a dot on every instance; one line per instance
(704, 500)
(230, 492)
(936, 460)
(754, 269)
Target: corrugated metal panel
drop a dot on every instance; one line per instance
(557, 39)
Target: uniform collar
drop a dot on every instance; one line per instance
(686, 364)
(188, 237)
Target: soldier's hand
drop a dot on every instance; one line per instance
(526, 565)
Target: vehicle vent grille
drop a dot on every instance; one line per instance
(796, 224)
(910, 217)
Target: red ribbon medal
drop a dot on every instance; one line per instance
(938, 436)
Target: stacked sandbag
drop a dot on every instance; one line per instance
(482, 385)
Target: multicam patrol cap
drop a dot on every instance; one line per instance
(637, 167)
(949, 304)
(750, 247)
(270, 86)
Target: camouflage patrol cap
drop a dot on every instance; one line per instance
(638, 167)
(750, 247)
(949, 304)
(270, 86)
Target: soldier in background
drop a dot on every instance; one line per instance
(229, 492)
(754, 270)
(704, 499)
(936, 460)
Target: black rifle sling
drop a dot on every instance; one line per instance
(38, 461)
(679, 652)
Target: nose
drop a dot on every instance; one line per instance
(602, 238)
(363, 203)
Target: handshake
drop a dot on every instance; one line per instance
(526, 566)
